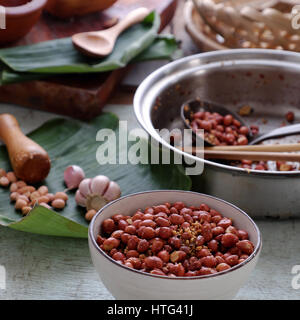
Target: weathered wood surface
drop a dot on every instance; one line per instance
(79, 96)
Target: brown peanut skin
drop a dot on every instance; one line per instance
(30, 162)
(164, 243)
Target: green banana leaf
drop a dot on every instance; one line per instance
(164, 47)
(60, 56)
(73, 142)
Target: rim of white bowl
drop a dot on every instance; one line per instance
(240, 265)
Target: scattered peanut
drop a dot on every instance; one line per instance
(58, 204)
(14, 196)
(43, 204)
(11, 176)
(2, 173)
(20, 204)
(26, 210)
(245, 111)
(14, 187)
(26, 189)
(43, 190)
(23, 197)
(50, 196)
(26, 196)
(21, 184)
(90, 215)
(61, 195)
(35, 195)
(4, 182)
(43, 199)
(290, 116)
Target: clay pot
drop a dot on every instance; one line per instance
(21, 16)
(69, 8)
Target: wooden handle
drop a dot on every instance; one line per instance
(293, 147)
(132, 18)
(248, 155)
(30, 162)
(255, 153)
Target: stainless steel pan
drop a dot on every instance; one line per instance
(268, 81)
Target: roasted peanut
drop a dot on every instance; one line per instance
(11, 177)
(90, 215)
(14, 196)
(4, 182)
(58, 204)
(43, 190)
(20, 204)
(61, 195)
(162, 240)
(26, 210)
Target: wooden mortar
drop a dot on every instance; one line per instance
(30, 162)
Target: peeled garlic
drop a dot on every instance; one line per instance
(95, 193)
(73, 175)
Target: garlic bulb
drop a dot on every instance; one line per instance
(95, 193)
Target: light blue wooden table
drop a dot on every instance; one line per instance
(39, 267)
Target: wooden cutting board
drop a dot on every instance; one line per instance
(78, 96)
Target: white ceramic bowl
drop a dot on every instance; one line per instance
(126, 283)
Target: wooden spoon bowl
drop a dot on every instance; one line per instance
(101, 43)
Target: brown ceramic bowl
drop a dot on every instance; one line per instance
(69, 8)
(21, 15)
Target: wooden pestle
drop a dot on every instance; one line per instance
(30, 162)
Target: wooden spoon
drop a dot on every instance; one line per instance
(291, 147)
(251, 155)
(102, 43)
(30, 162)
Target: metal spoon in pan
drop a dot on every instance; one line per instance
(276, 133)
(191, 107)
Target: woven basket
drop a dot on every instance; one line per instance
(268, 24)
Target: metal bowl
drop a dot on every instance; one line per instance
(268, 81)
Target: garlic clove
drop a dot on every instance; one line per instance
(80, 199)
(99, 185)
(113, 192)
(73, 175)
(84, 187)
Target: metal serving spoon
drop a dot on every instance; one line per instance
(279, 132)
(102, 43)
(191, 107)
